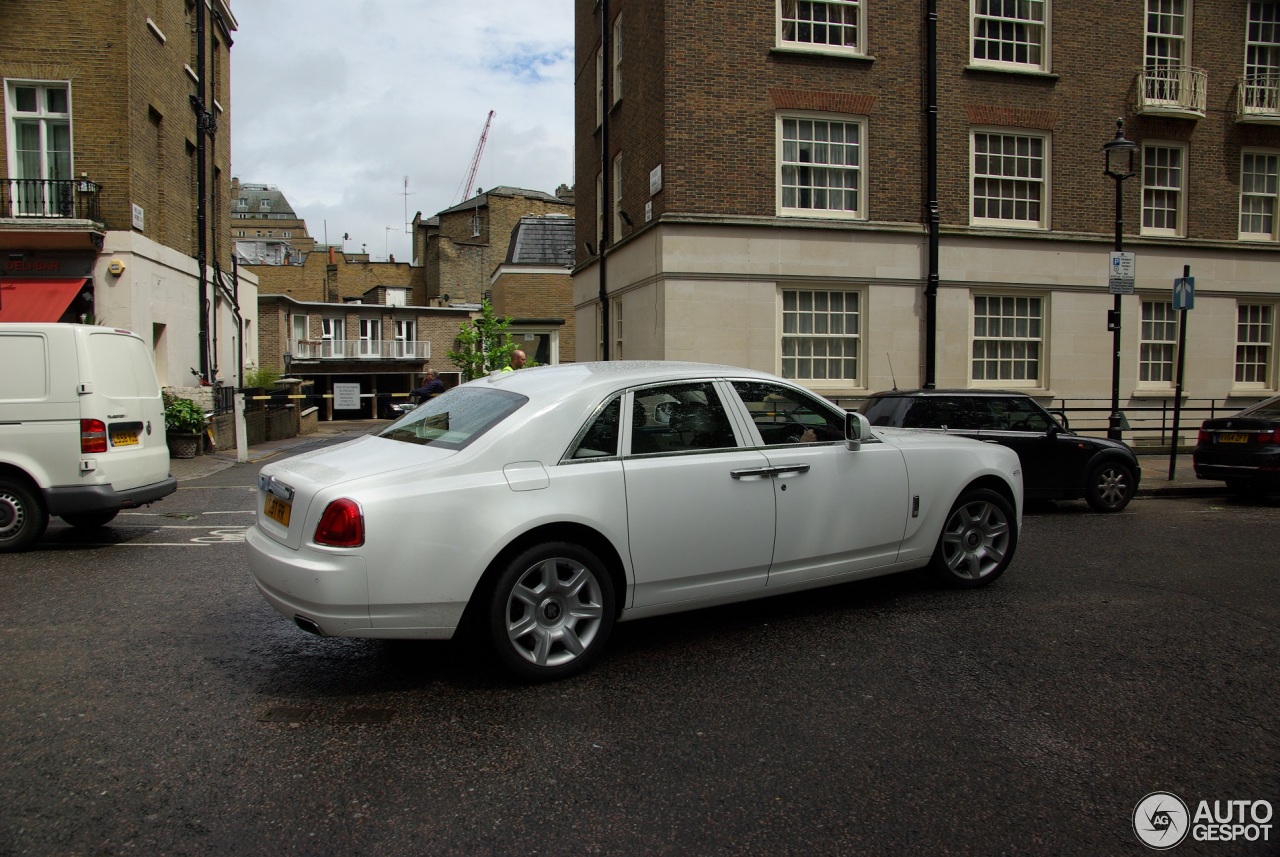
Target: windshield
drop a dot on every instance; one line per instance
(454, 419)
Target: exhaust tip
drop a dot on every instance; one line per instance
(308, 625)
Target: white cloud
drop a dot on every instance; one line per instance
(336, 102)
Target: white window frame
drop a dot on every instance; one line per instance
(1019, 341)
(1261, 82)
(812, 329)
(616, 319)
(1164, 184)
(1011, 172)
(1166, 49)
(406, 337)
(40, 203)
(301, 324)
(600, 213)
(1157, 345)
(989, 26)
(333, 333)
(792, 29)
(1255, 347)
(599, 87)
(370, 337)
(518, 335)
(786, 161)
(617, 197)
(1264, 201)
(617, 60)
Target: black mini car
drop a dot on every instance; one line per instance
(1242, 450)
(1056, 464)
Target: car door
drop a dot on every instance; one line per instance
(837, 510)
(1049, 459)
(700, 515)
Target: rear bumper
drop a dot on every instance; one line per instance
(332, 590)
(1238, 473)
(95, 498)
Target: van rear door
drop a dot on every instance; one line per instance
(119, 389)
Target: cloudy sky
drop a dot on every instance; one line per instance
(336, 102)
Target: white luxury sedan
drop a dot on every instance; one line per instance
(546, 504)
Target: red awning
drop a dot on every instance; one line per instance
(36, 300)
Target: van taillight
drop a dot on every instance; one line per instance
(93, 436)
(341, 525)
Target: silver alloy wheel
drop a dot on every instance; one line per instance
(975, 540)
(554, 612)
(13, 515)
(1111, 485)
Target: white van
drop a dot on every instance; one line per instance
(81, 428)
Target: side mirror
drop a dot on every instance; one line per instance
(857, 428)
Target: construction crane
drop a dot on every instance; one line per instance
(475, 161)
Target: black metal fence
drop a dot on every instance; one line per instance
(64, 199)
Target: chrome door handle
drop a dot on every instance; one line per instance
(750, 472)
(790, 468)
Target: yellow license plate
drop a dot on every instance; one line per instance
(124, 438)
(1233, 438)
(277, 509)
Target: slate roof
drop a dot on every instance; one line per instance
(253, 194)
(482, 199)
(545, 240)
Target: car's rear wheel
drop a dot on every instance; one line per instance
(89, 520)
(1111, 486)
(978, 540)
(550, 611)
(23, 517)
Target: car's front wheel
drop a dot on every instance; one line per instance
(1111, 486)
(89, 520)
(22, 516)
(550, 611)
(978, 540)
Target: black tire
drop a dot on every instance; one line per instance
(23, 517)
(1110, 487)
(550, 611)
(977, 541)
(89, 520)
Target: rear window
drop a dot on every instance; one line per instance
(122, 367)
(1265, 410)
(454, 419)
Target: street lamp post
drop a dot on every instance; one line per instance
(1118, 154)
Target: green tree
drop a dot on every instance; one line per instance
(483, 344)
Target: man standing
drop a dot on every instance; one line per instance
(431, 387)
(517, 360)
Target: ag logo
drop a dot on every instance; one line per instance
(1161, 820)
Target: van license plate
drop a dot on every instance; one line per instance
(1233, 438)
(124, 438)
(277, 509)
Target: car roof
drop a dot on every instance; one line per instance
(949, 392)
(542, 383)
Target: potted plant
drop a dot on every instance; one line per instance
(184, 423)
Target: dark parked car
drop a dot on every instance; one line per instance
(1242, 450)
(1057, 464)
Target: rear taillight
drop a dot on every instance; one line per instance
(341, 525)
(1265, 437)
(93, 436)
(1203, 438)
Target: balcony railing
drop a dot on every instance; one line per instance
(50, 199)
(1172, 90)
(359, 349)
(1259, 98)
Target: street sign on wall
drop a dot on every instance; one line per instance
(1121, 273)
(346, 397)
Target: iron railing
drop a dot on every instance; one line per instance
(56, 199)
(360, 349)
(1259, 97)
(1178, 89)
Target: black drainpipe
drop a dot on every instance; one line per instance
(203, 121)
(935, 215)
(605, 177)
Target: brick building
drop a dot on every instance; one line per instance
(264, 226)
(461, 246)
(760, 178)
(533, 288)
(116, 136)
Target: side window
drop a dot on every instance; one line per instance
(600, 440)
(679, 418)
(783, 415)
(1019, 415)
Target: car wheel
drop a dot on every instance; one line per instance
(978, 540)
(23, 517)
(1111, 486)
(89, 520)
(550, 611)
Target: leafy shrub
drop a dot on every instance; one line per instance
(261, 378)
(182, 416)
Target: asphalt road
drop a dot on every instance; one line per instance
(153, 704)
